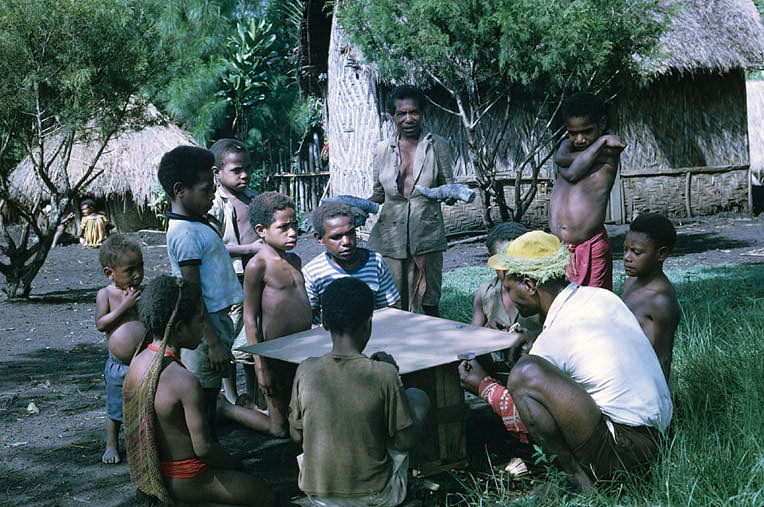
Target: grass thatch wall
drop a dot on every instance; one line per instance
(755, 101)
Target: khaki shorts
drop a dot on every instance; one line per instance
(198, 360)
(405, 274)
(240, 340)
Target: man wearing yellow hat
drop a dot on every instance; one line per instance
(591, 390)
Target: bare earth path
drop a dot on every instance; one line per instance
(52, 356)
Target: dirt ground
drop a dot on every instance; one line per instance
(52, 358)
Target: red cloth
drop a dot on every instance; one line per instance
(498, 397)
(591, 262)
(183, 469)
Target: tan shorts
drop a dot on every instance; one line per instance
(405, 275)
(198, 360)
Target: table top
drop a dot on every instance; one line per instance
(415, 341)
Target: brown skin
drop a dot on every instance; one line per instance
(650, 295)
(183, 432)
(274, 287)
(117, 316)
(479, 317)
(587, 162)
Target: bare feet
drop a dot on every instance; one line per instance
(111, 455)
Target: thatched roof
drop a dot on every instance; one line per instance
(129, 162)
(711, 35)
(755, 98)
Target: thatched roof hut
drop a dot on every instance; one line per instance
(129, 164)
(687, 132)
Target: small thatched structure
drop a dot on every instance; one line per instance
(686, 133)
(129, 164)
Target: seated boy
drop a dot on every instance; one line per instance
(164, 410)
(587, 162)
(230, 212)
(351, 413)
(117, 316)
(276, 304)
(334, 228)
(94, 226)
(648, 292)
(197, 253)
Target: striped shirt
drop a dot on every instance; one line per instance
(321, 271)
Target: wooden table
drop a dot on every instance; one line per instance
(426, 350)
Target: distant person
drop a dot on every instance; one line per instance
(587, 162)
(648, 292)
(94, 226)
(410, 233)
(117, 316)
(351, 413)
(334, 229)
(591, 390)
(230, 211)
(165, 414)
(197, 253)
(276, 304)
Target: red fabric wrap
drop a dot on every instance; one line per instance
(502, 403)
(183, 469)
(591, 262)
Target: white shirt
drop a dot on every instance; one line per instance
(592, 336)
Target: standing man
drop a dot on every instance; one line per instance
(410, 233)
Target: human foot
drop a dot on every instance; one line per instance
(111, 455)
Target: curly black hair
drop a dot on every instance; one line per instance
(506, 231)
(158, 302)
(88, 202)
(658, 228)
(222, 147)
(345, 304)
(583, 105)
(404, 92)
(184, 164)
(329, 210)
(114, 247)
(264, 206)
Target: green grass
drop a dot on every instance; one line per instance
(715, 453)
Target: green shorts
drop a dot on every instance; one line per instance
(198, 360)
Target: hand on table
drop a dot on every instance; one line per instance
(384, 357)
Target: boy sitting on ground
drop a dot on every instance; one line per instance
(276, 304)
(648, 292)
(94, 226)
(334, 228)
(351, 413)
(587, 162)
(230, 212)
(165, 413)
(197, 253)
(117, 316)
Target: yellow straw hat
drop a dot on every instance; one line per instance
(536, 254)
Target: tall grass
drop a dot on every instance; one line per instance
(714, 455)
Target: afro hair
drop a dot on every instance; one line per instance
(583, 105)
(264, 206)
(115, 246)
(158, 302)
(658, 228)
(328, 210)
(222, 147)
(404, 92)
(506, 231)
(346, 304)
(184, 165)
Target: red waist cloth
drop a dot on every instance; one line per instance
(498, 397)
(182, 469)
(591, 262)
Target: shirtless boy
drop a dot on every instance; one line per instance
(117, 316)
(587, 162)
(648, 292)
(194, 468)
(276, 303)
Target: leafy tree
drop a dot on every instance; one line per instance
(70, 71)
(482, 58)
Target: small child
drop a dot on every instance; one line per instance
(355, 421)
(197, 253)
(230, 212)
(165, 413)
(117, 316)
(94, 226)
(276, 304)
(648, 292)
(333, 223)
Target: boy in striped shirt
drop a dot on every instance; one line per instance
(334, 228)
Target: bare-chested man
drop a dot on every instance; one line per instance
(276, 303)
(410, 233)
(587, 162)
(194, 468)
(648, 292)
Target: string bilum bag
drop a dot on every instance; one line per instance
(140, 424)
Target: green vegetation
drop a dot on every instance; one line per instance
(715, 453)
